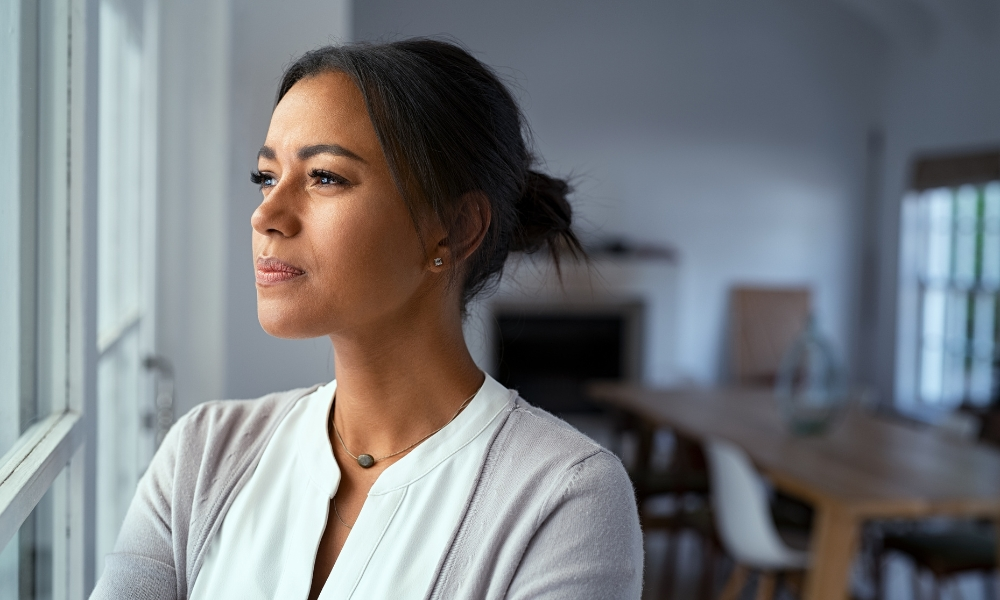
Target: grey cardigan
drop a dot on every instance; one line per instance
(551, 515)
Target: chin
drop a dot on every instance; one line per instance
(280, 329)
(284, 322)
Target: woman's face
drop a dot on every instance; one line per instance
(334, 245)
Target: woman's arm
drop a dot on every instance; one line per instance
(589, 545)
(183, 497)
(143, 564)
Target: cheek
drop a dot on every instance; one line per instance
(365, 262)
(371, 257)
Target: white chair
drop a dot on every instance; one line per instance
(744, 522)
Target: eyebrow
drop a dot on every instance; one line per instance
(310, 151)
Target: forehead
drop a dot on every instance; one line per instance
(323, 109)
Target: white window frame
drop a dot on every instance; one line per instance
(58, 443)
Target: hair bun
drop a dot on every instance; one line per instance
(545, 217)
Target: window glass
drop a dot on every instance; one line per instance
(33, 149)
(34, 328)
(126, 368)
(15, 117)
(953, 244)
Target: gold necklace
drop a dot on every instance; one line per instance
(368, 461)
(337, 512)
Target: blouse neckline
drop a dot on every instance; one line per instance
(491, 399)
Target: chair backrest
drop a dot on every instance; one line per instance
(990, 429)
(742, 511)
(765, 322)
(960, 426)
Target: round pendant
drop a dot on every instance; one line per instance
(366, 461)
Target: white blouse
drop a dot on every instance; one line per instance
(266, 546)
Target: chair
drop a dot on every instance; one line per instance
(744, 523)
(686, 477)
(945, 554)
(989, 431)
(968, 547)
(764, 324)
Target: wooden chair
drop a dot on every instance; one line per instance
(684, 477)
(764, 324)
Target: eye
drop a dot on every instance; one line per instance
(327, 178)
(263, 180)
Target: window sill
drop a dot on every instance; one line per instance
(29, 469)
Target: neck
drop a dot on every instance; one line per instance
(393, 389)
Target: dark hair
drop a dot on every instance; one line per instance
(448, 127)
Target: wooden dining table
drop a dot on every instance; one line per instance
(863, 467)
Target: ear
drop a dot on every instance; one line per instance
(466, 232)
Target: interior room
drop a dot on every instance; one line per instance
(787, 327)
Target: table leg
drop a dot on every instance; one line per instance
(996, 525)
(992, 579)
(835, 540)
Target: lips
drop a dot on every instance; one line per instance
(271, 271)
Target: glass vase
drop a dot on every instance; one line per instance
(810, 385)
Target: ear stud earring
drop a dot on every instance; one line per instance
(438, 262)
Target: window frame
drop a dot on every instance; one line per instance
(57, 442)
(950, 173)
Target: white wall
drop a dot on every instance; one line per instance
(940, 95)
(191, 245)
(734, 132)
(221, 62)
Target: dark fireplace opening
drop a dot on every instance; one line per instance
(549, 357)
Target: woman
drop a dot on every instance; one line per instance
(395, 182)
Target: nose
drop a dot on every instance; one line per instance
(278, 214)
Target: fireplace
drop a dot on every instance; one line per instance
(549, 352)
(546, 332)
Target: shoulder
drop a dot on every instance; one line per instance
(548, 461)
(585, 539)
(548, 436)
(209, 449)
(226, 423)
(216, 414)
(530, 526)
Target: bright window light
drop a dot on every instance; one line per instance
(951, 283)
